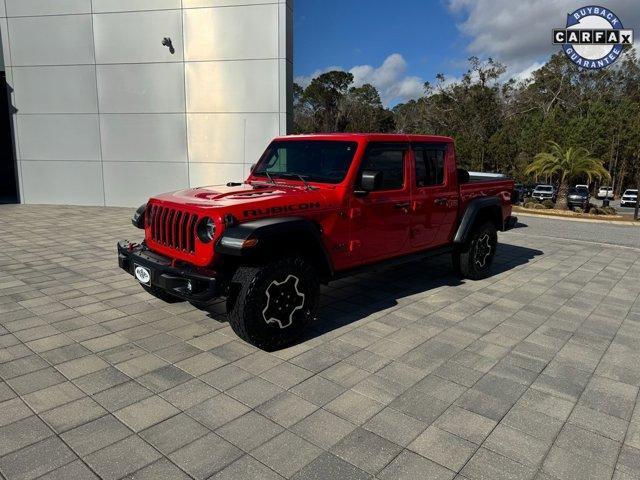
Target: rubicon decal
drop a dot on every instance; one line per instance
(593, 37)
(260, 212)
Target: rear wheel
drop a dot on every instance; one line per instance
(474, 260)
(272, 305)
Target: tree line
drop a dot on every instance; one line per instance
(499, 125)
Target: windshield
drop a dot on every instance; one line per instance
(314, 160)
(631, 192)
(544, 188)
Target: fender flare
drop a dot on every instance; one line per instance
(270, 232)
(472, 212)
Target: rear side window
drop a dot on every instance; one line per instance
(429, 164)
(389, 160)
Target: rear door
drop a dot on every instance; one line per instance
(435, 195)
(381, 218)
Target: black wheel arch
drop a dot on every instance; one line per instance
(478, 211)
(275, 237)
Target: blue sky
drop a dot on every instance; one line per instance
(366, 32)
(398, 44)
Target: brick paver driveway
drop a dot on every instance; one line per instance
(532, 373)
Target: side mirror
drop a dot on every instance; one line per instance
(370, 180)
(463, 176)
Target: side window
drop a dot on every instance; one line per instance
(389, 160)
(429, 165)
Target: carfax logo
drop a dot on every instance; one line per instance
(593, 38)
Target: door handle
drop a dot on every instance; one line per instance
(402, 205)
(441, 201)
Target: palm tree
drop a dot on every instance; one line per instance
(567, 164)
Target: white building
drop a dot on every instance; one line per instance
(104, 114)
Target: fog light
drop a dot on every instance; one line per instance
(206, 229)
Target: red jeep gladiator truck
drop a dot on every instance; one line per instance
(315, 207)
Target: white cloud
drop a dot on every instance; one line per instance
(389, 78)
(526, 72)
(305, 80)
(519, 33)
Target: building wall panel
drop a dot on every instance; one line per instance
(244, 32)
(101, 6)
(136, 37)
(53, 40)
(141, 88)
(54, 182)
(106, 115)
(231, 87)
(68, 89)
(5, 58)
(59, 137)
(128, 184)
(18, 8)
(144, 137)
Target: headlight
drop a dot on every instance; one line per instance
(206, 230)
(138, 217)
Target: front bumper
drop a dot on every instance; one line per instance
(577, 202)
(177, 278)
(628, 203)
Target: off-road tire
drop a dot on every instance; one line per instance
(473, 260)
(161, 294)
(254, 295)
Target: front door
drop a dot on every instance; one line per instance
(381, 218)
(435, 197)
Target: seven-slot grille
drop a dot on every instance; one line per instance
(173, 228)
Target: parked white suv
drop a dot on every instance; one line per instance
(605, 192)
(544, 192)
(629, 198)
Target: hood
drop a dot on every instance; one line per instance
(259, 200)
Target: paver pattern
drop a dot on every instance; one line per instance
(409, 373)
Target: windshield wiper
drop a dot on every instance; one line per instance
(268, 175)
(299, 177)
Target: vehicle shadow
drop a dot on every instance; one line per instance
(354, 298)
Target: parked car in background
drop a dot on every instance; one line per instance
(629, 198)
(584, 189)
(544, 192)
(605, 192)
(578, 197)
(521, 191)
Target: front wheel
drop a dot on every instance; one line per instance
(474, 260)
(273, 304)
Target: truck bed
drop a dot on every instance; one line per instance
(487, 187)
